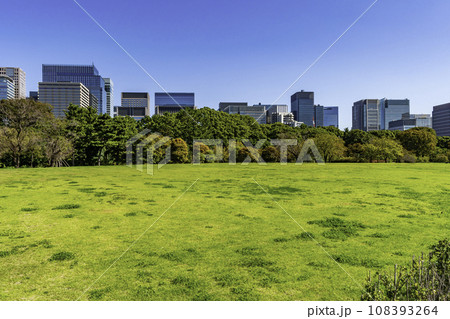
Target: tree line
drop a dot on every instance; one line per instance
(30, 136)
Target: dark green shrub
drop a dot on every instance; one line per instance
(67, 206)
(305, 236)
(61, 256)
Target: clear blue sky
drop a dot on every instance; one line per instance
(243, 50)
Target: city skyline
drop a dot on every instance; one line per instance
(404, 59)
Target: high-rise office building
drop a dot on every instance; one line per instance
(409, 121)
(231, 107)
(278, 108)
(366, 115)
(392, 110)
(7, 91)
(422, 120)
(109, 88)
(34, 95)
(86, 74)
(258, 112)
(441, 119)
(376, 114)
(302, 106)
(286, 118)
(318, 116)
(18, 76)
(331, 116)
(173, 102)
(134, 104)
(61, 94)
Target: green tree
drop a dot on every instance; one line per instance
(330, 147)
(179, 151)
(271, 154)
(356, 137)
(20, 120)
(382, 149)
(57, 147)
(420, 140)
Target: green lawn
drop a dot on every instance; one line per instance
(224, 239)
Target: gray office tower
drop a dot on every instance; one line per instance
(135, 105)
(109, 88)
(231, 107)
(392, 110)
(258, 112)
(86, 74)
(441, 119)
(173, 102)
(61, 94)
(275, 109)
(302, 106)
(366, 115)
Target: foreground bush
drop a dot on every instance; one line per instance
(424, 280)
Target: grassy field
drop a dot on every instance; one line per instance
(221, 238)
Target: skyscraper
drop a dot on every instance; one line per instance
(441, 119)
(277, 108)
(258, 112)
(302, 106)
(6, 88)
(392, 110)
(109, 88)
(366, 115)
(134, 104)
(173, 102)
(61, 94)
(331, 116)
(318, 116)
(18, 76)
(86, 74)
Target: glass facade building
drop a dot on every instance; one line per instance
(231, 107)
(392, 110)
(331, 116)
(61, 94)
(302, 106)
(258, 112)
(441, 119)
(173, 102)
(18, 77)
(409, 121)
(34, 95)
(7, 91)
(86, 74)
(318, 116)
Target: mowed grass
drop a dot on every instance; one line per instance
(114, 233)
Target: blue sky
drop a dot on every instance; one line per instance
(243, 50)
